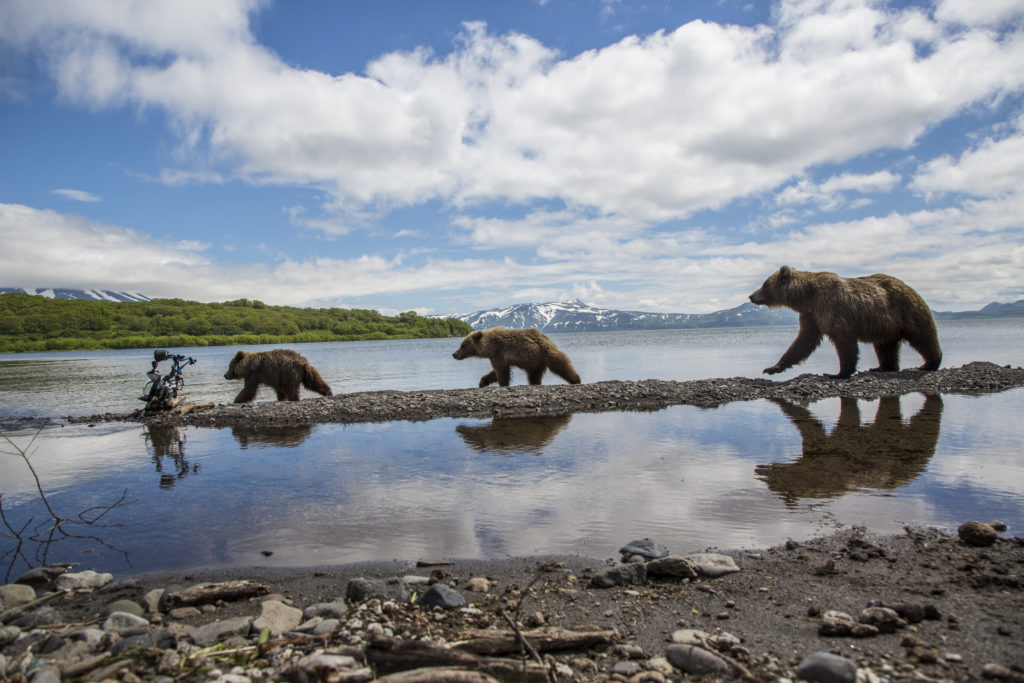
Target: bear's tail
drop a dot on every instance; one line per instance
(312, 380)
(560, 364)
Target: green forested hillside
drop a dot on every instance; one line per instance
(37, 323)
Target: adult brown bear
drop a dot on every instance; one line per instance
(281, 369)
(876, 309)
(527, 349)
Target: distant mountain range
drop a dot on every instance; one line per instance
(576, 316)
(94, 294)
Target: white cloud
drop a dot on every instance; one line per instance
(995, 167)
(76, 195)
(654, 128)
(830, 195)
(971, 13)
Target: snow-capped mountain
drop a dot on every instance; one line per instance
(94, 294)
(576, 316)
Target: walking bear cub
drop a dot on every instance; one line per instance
(876, 309)
(527, 349)
(281, 369)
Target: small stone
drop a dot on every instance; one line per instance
(836, 623)
(999, 525)
(977, 534)
(884, 619)
(713, 565)
(326, 610)
(626, 668)
(478, 584)
(152, 600)
(825, 667)
(123, 622)
(690, 636)
(695, 660)
(993, 670)
(220, 630)
(319, 667)
(647, 548)
(126, 606)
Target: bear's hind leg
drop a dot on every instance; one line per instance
(928, 346)
(848, 351)
(888, 356)
(535, 375)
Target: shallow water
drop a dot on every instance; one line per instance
(90, 382)
(747, 474)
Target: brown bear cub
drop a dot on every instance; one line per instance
(281, 369)
(527, 349)
(876, 309)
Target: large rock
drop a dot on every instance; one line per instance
(647, 548)
(440, 595)
(673, 566)
(123, 622)
(16, 595)
(87, 580)
(278, 617)
(713, 565)
(977, 534)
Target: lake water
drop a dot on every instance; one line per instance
(747, 474)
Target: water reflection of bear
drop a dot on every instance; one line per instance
(511, 434)
(885, 454)
(287, 436)
(168, 442)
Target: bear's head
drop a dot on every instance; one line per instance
(470, 346)
(773, 292)
(232, 372)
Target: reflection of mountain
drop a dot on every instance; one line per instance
(168, 442)
(288, 436)
(885, 454)
(511, 434)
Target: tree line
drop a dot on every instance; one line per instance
(37, 323)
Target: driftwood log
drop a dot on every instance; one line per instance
(205, 593)
(439, 675)
(547, 639)
(390, 656)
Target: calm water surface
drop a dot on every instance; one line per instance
(745, 474)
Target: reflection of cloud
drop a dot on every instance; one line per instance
(288, 436)
(508, 435)
(885, 454)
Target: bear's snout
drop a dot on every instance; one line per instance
(757, 298)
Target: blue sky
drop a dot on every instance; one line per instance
(454, 156)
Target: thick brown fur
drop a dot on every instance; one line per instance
(527, 349)
(875, 309)
(281, 369)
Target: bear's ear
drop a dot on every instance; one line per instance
(477, 336)
(785, 272)
(238, 356)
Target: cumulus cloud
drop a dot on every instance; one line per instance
(653, 127)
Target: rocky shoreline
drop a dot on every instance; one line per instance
(561, 399)
(923, 605)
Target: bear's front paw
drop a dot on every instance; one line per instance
(773, 370)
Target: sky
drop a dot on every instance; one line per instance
(450, 157)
